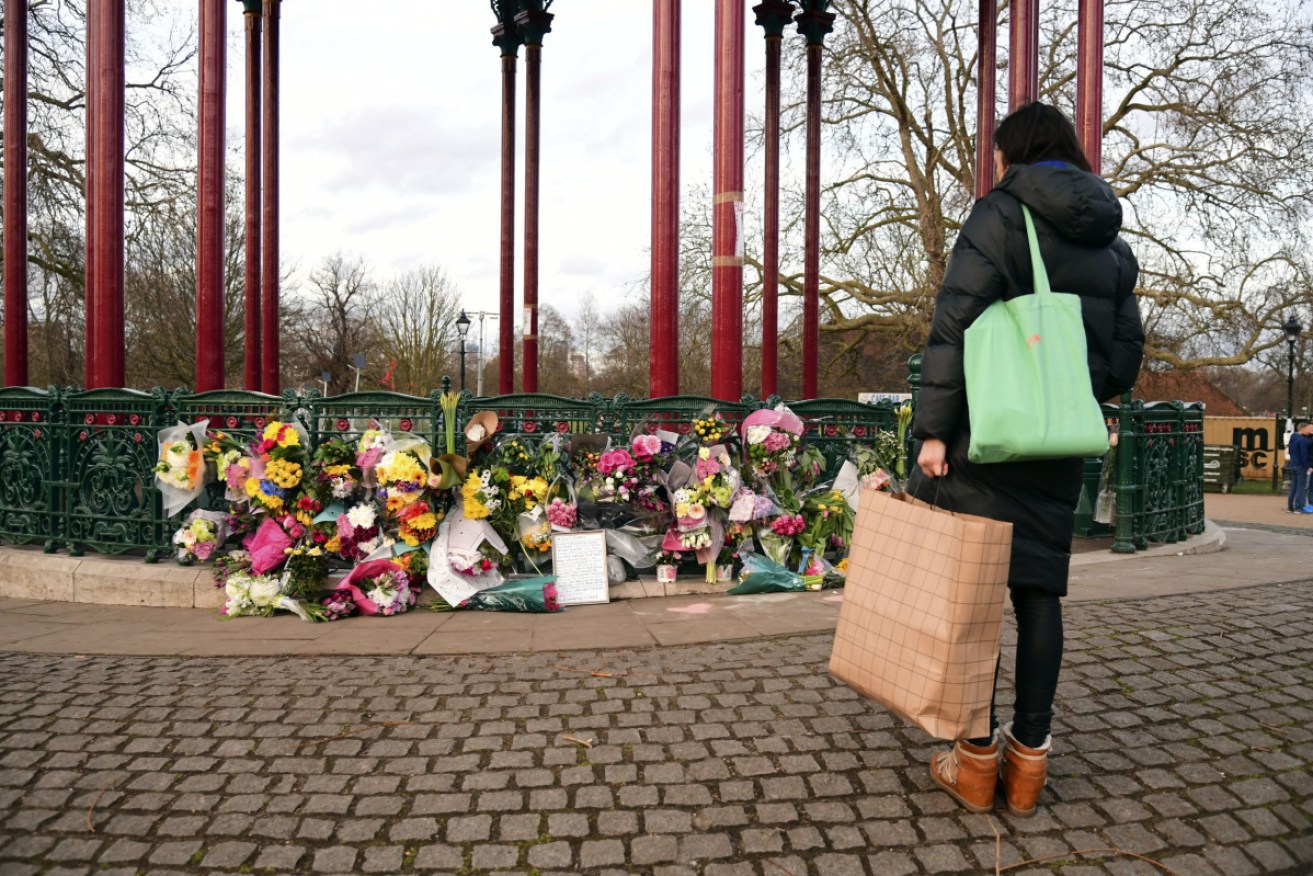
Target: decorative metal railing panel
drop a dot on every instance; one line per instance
(76, 467)
(676, 413)
(29, 466)
(531, 413)
(833, 424)
(349, 415)
(110, 502)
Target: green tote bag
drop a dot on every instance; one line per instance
(1027, 378)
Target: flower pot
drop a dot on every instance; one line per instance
(725, 573)
(666, 574)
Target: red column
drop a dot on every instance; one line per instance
(727, 206)
(814, 23)
(1089, 81)
(986, 79)
(89, 186)
(532, 93)
(106, 83)
(15, 198)
(271, 375)
(1023, 54)
(253, 9)
(663, 371)
(773, 15)
(532, 23)
(209, 197)
(506, 308)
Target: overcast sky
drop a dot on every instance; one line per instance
(391, 134)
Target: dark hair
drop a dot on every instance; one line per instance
(1039, 132)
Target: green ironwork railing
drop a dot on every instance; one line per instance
(76, 467)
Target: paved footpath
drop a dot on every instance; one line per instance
(1183, 735)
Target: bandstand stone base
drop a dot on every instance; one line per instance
(29, 573)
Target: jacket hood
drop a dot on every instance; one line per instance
(1081, 206)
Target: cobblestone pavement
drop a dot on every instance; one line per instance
(1183, 735)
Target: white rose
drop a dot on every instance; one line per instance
(474, 434)
(757, 434)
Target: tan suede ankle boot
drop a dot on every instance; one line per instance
(1023, 772)
(968, 772)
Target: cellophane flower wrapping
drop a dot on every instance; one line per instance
(537, 595)
(762, 575)
(268, 547)
(379, 587)
(180, 471)
(250, 595)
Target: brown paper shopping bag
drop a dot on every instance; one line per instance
(922, 611)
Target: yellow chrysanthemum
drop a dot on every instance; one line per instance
(283, 473)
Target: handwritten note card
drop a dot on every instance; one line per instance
(579, 561)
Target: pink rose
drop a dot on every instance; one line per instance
(777, 441)
(615, 462)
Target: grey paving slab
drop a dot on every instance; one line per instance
(1183, 733)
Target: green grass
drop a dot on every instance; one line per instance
(1255, 488)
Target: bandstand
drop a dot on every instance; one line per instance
(514, 24)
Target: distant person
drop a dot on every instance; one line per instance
(1297, 500)
(1077, 218)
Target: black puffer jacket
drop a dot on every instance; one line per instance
(1077, 218)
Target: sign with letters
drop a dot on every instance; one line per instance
(1260, 439)
(579, 563)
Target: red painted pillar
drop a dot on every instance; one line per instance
(1023, 54)
(253, 10)
(89, 187)
(270, 325)
(15, 197)
(773, 15)
(663, 370)
(986, 79)
(814, 22)
(727, 206)
(506, 36)
(533, 23)
(1089, 81)
(532, 94)
(209, 197)
(106, 95)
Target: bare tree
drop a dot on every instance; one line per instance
(415, 320)
(1209, 121)
(334, 322)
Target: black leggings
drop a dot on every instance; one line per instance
(1039, 660)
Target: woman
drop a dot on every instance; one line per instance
(1039, 163)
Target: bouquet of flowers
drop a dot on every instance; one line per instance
(336, 474)
(357, 534)
(829, 520)
(523, 594)
(338, 605)
(370, 448)
(379, 587)
(613, 479)
(180, 471)
(710, 428)
(200, 536)
(481, 498)
(562, 515)
(401, 477)
(418, 523)
(261, 596)
(277, 467)
(777, 539)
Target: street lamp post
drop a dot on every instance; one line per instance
(462, 329)
(1293, 329)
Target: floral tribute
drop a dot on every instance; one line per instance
(363, 525)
